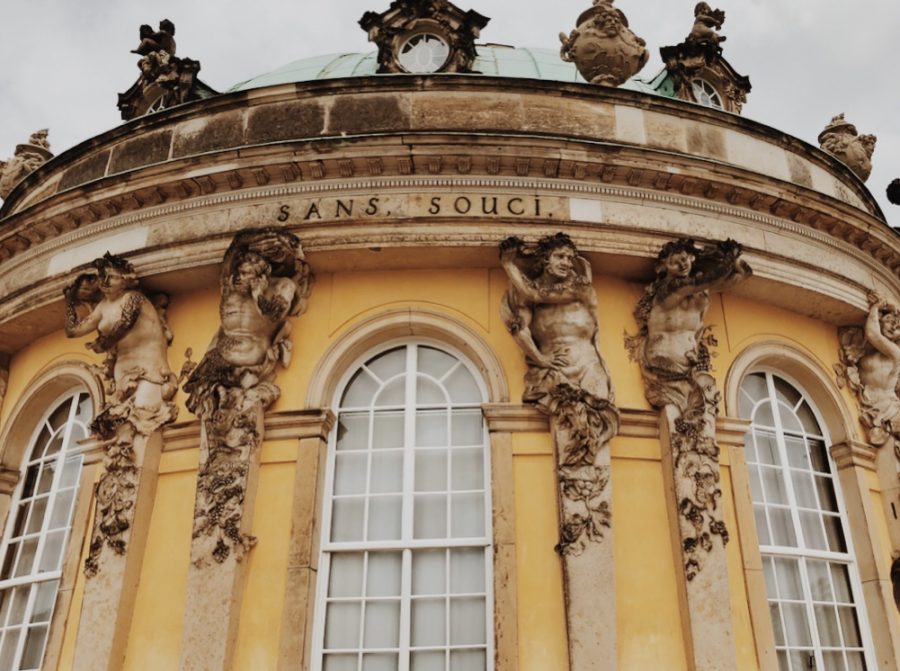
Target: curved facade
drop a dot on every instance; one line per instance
(400, 189)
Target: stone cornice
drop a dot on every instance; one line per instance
(519, 418)
(855, 453)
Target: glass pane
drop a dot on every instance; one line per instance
(38, 510)
(428, 393)
(387, 472)
(782, 527)
(841, 580)
(762, 527)
(804, 489)
(813, 535)
(462, 387)
(827, 498)
(8, 560)
(773, 483)
(431, 428)
(350, 473)
(55, 445)
(856, 661)
(468, 427)
(394, 393)
(431, 470)
(71, 471)
(796, 452)
(51, 555)
(796, 624)
(766, 448)
(34, 647)
(384, 574)
(763, 415)
(834, 532)
(429, 572)
(769, 575)
(341, 663)
(360, 391)
(785, 392)
(6, 598)
(827, 624)
(388, 364)
(353, 431)
(342, 625)
(834, 661)
(388, 429)
(347, 519)
(345, 578)
(850, 626)
(467, 515)
(31, 476)
(380, 662)
(754, 385)
(808, 420)
(434, 362)
(755, 483)
(468, 468)
(429, 661)
(789, 421)
(45, 481)
(819, 581)
(26, 557)
(20, 600)
(43, 603)
(777, 625)
(8, 651)
(85, 412)
(467, 571)
(819, 456)
(59, 416)
(62, 508)
(382, 624)
(384, 518)
(783, 661)
(430, 516)
(790, 584)
(76, 434)
(805, 660)
(428, 622)
(467, 623)
(467, 660)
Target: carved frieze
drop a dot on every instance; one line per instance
(138, 383)
(265, 280)
(841, 139)
(165, 79)
(870, 366)
(29, 157)
(550, 310)
(673, 350)
(424, 36)
(603, 47)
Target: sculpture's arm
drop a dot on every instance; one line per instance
(131, 311)
(526, 343)
(75, 326)
(875, 336)
(275, 302)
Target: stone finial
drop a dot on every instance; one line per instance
(841, 139)
(29, 157)
(603, 47)
(893, 192)
(706, 22)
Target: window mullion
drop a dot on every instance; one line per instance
(26, 618)
(811, 613)
(405, 609)
(785, 463)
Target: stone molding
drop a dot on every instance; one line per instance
(523, 418)
(281, 425)
(854, 453)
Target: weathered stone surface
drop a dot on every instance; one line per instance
(370, 114)
(143, 149)
(29, 157)
(92, 167)
(841, 140)
(285, 121)
(221, 131)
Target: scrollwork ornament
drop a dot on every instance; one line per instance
(673, 348)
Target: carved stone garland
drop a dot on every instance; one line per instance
(550, 309)
(139, 387)
(673, 349)
(265, 280)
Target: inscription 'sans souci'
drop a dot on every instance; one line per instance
(417, 205)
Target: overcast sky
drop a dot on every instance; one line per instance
(62, 62)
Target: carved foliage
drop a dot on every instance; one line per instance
(405, 18)
(138, 383)
(265, 280)
(603, 47)
(29, 157)
(673, 348)
(841, 140)
(550, 309)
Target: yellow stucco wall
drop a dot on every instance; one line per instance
(649, 631)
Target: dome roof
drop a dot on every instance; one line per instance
(493, 60)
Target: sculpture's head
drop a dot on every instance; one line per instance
(250, 267)
(557, 254)
(116, 275)
(676, 259)
(889, 320)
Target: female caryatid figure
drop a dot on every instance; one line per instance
(550, 309)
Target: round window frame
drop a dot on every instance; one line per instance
(422, 31)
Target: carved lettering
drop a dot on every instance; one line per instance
(284, 213)
(312, 211)
(484, 205)
(517, 212)
(373, 206)
(435, 207)
(460, 202)
(343, 207)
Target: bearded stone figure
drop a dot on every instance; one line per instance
(870, 366)
(132, 332)
(550, 309)
(672, 348)
(265, 280)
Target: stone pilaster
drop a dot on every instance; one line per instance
(110, 591)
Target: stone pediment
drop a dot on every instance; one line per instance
(424, 36)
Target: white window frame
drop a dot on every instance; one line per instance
(37, 576)
(803, 553)
(327, 547)
(708, 90)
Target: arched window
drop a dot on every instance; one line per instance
(405, 570)
(706, 94)
(38, 530)
(812, 583)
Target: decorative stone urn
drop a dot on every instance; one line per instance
(603, 48)
(841, 140)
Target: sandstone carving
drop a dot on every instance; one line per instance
(165, 79)
(602, 46)
(550, 309)
(870, 366)
(132, 332)
(841, 140)
(265, 280)
(28, 157)
(673, 349)
(707, 21)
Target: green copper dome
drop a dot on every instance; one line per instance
(493, 60)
